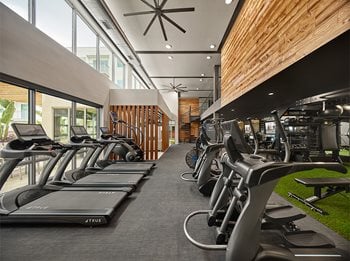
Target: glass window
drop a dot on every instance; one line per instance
(54, 114)
(136, 83)
(86, 43)
(54, 18)
(119, 72)
(105, 60)
(18, 6)
(13, 108)
(87, 117)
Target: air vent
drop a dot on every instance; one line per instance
(107, 25)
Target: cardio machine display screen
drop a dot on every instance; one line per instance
(104, 130)
(28, 129)
(79, 131)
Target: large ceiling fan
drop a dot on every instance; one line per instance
(159, 11)
(176, 88)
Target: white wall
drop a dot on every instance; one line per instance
(171, 100)
(29, 54)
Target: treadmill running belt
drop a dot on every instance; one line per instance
(60, 202)
(110, 180)
(130, 167)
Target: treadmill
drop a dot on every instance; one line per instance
(80, 133)
(107, 135)
(89, 177)
(45, 203)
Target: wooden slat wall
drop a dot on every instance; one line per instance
(165, 132)
(146, 118)
(269, 36)
(184, 107)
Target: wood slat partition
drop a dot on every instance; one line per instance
(165, 132)
(184, 118)
(146, 118)
(269, 36)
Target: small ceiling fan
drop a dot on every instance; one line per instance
(176, 88)
(159, 11)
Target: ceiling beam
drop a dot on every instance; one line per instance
(181, 77)
(177, 52)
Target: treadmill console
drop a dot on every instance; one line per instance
(29, 132)
(104, 130)
(79, 131)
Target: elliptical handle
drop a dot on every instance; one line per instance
(256, 141)
(283, 135)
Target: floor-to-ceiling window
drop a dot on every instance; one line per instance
(119, 72)
(105, 60)
(18, 6)
(13, 108)
(86, 43)
(54, 18)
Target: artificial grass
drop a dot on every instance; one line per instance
(344, 152)
(337, 206)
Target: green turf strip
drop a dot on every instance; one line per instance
(344, 152)
(338, 206)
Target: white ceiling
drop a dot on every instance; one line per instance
(205, 26)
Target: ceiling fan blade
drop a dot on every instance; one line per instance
(173, 23)
(178, 85)
(148, 4)
(150, 24)
(178, 10)
(183, 87)
(163, 4)
(162, 26)
(139, 13)
(156, 4)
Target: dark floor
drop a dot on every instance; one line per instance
(147, 227)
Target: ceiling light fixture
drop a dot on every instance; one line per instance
(200, 79)
(170, 57)
(168, 46)
(212, 46)
(228, 2)
(271, 93)
(202, 74)
(208, 57)
(197, 89)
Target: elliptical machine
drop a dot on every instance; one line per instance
(129, 150)
(256, 181)
(203, 174)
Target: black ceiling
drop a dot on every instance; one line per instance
(325, 70)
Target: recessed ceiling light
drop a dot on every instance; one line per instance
(271, 93)
(168, 46)
(200, 79)
(212, 46)
(232, 109)
(197, 88)
(202, 74)
(170, 57)
(208, 57)
(228, 2)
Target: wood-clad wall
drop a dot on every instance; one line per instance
(184, 118)
(269, 36)
(146, 118)
(165, 132)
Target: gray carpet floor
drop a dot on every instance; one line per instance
(148, 226)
